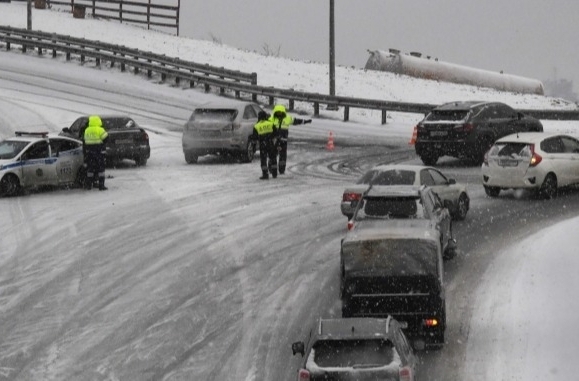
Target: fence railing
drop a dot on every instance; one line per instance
(213, 77)
(148, 12)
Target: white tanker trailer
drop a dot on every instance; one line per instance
(415, 65)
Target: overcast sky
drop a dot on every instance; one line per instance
(530, 38)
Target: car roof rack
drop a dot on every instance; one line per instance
(25, 133)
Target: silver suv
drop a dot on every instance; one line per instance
(221, 128)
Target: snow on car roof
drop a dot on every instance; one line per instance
(394, 191)
(526, 137)
(354, 327)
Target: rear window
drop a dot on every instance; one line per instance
(215, 115)
(390, 177)
(117, 123)
(510, 150)
(393, 257)
(447, 115)
(391, 207)
(353, 353)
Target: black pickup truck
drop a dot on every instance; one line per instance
(127, 140)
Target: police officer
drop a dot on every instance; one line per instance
(95, 137)
(281, 121)
(264, 132)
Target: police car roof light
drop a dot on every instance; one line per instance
(42, 134)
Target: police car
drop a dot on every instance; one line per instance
(34, 159)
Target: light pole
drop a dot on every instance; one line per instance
(29, 15)
(332, 57)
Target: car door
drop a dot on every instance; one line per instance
(38, 168)
(249, 120)
(570, 159)
(69, 158)
(78, 126)
(439, 184)
(440, 216)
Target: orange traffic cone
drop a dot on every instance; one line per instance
(414, 136)
(330, 144)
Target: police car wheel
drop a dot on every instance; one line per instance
(9, 185)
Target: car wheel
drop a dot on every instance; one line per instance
(492, 191)
(429, 158)
(249, 152)
(462, 207)
(191, 158)
(9, 185)
(549, 188)
(80, 177)
(141, 161)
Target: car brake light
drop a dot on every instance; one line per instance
(467, 127)
(303, 375)
(431, 322)
(350, 225)
(351, 196)
(405, 374)
(535, 157)
(144, 135)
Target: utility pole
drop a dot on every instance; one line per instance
(29, 15)
(332, 57)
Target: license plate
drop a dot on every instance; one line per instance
(438, 133)
(209, 133)
(508, 163)
(124, 141)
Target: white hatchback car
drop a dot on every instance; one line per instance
(543, 162)
(408, 174)
(33, 159)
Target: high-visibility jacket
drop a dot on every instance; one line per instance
(281, 123)
(263, 130)
(95, 133)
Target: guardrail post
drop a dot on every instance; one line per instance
(149, 71)
(271, 100)
(346, 113)
(237, 94)
(316, 109)
(291, 105)
(383, 116)
(207, 88)
(254, 97)
(177, 80)
(53, 40)
(254, 78)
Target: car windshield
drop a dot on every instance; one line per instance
(393, 257)
(117, 123)
(447, 115)
(353, 353)
(10, 148)
(213, 115)
(389, 177)
(390, 207)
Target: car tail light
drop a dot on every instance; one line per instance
(535, 157)
(405, 374)
(350, 225)
(467, 127)
(431, 322)
(303, 375)
(144, 135)
(351, 196)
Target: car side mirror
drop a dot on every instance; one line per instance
(299, 347)
(451, 181)
(66, 130)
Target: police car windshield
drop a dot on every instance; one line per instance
(10, 148)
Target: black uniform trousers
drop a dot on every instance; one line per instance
(268, 156)
(95, 162)
(282, 144)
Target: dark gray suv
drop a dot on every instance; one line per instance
(468, 129)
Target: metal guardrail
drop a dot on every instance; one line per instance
(213, 77)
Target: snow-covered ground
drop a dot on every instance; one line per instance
(523, 323)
